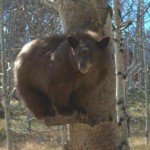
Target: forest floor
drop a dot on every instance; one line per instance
(50, 140)
(32, 141)
(39, 138)
(136, 143)
(43, 138)
(136, 111)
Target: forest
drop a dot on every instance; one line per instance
(125, 96)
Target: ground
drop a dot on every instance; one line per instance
(44, 138)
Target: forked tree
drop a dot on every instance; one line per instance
(92, 15)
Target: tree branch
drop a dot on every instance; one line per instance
(49, 3)
(62, 120)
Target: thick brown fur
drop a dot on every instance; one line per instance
(55, 75)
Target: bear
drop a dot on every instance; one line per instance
(54, 75)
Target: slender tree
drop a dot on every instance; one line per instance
(4, 81)
(120, 77)
(138, 56)
(146, 92)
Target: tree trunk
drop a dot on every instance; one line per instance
(138, 38)
(120, 79)
(146, 92)
(92, 15)
(4, 82)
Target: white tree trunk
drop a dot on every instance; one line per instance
(120, 79)
(146, 92)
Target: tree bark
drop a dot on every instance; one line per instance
(93, 15)
(4, 82)
(120, 79)
(146, 93)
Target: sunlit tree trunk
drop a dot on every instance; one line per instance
(4, 81)
(120, 78)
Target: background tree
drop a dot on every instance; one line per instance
(4, 82)
(120, 75)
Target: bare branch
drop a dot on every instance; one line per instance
(62, 120)
(123, 25)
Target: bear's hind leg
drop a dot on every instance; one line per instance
(74, 104)
(37, 102)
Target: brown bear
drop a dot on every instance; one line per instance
(56, 74)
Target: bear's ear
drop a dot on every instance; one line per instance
(73, 42)
(103, 43)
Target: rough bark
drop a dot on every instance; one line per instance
(82, 19)
(93, 15)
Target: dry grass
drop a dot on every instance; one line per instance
(34, 146)
(138, 143)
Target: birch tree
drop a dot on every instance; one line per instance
(120, 77)
(91, 15)
(146, 92)
(4, 81)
